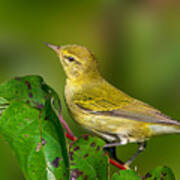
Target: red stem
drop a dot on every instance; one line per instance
(65, 125)
(72, 138)
(120, 166)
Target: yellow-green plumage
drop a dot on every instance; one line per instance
(100, 107)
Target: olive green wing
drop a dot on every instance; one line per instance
(126, 107)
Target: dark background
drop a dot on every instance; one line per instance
(137, 44)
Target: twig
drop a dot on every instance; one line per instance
(65, 125)
(120, 166)
(72, 138)
(59, 114)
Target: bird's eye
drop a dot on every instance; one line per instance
(70, 58)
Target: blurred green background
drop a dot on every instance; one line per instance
(137, 44)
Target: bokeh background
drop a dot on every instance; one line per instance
(137, 44)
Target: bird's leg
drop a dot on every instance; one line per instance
(122, 141)
(111, 148)
(141, 148)
(112, 153)
(112, 145)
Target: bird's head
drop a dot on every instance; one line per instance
(76, 60)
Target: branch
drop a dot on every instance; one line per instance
(120, 166)
(65, 125)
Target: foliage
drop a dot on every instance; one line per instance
(87, 158)
(126, 174)
(29, 123)
(32, 129)
(160, 173)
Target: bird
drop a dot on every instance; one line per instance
(103, 109)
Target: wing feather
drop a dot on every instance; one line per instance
(131, 109)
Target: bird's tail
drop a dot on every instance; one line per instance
(164, 128)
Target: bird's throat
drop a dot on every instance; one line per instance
(85, 78)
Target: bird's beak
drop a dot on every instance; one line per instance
(54, 47)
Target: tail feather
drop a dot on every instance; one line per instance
(173, 127)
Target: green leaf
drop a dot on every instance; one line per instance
(3, 104)
(27, 89)
(87, 159)
(160, 173)
(126, 174)
(31, 127)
